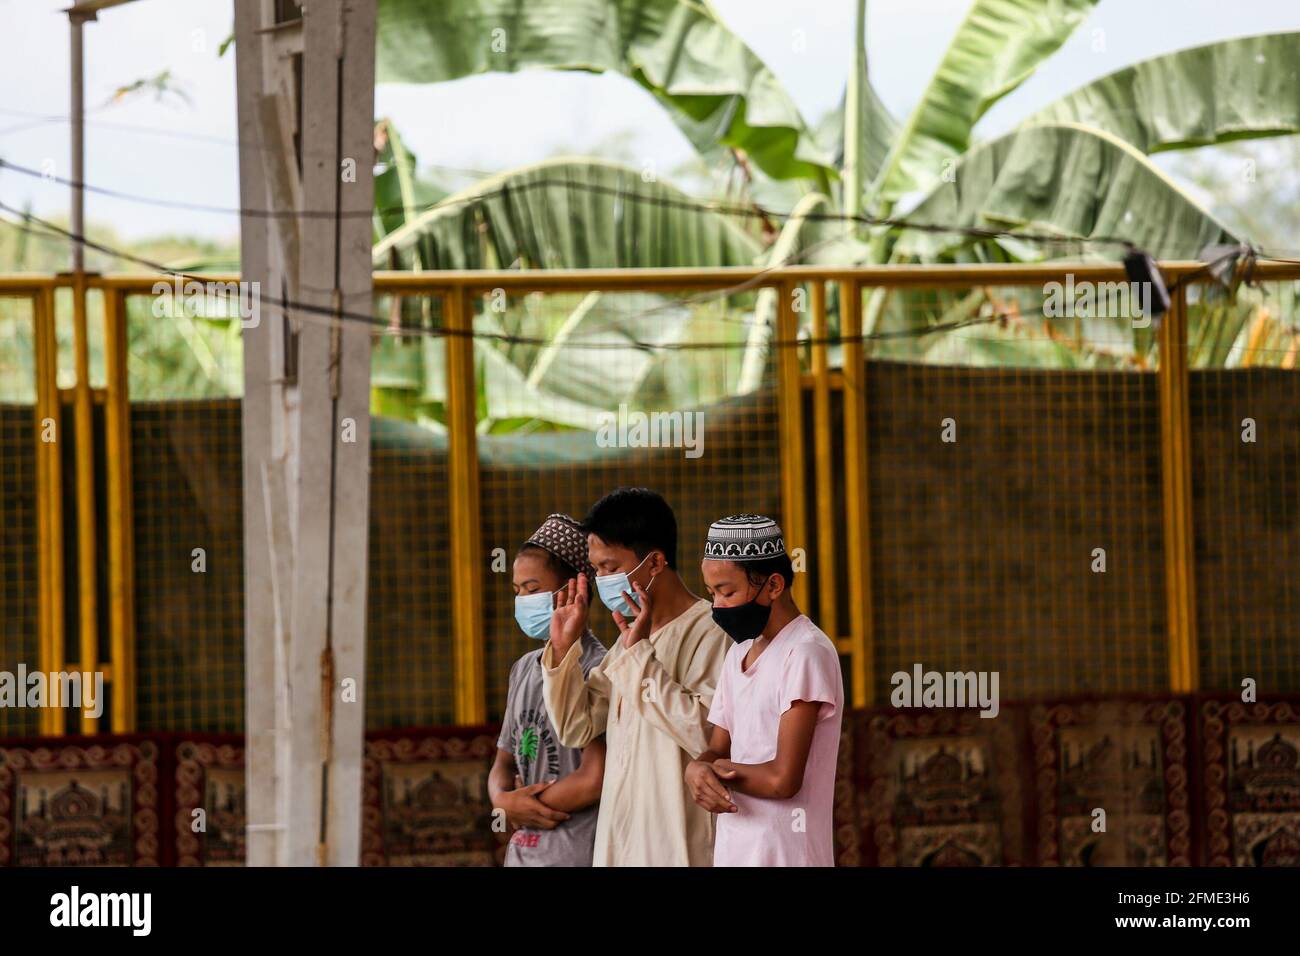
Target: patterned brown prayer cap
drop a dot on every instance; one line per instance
(564, 538)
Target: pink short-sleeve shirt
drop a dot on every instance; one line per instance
(801, 663)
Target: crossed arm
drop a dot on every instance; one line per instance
(713, 775)
(546, 805)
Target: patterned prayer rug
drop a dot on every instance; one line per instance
(1112, 783)
(424, 798)
(914, 788)
(848, 819)
(210, 810)
(80, 804)
(941, 787)
(1251, 755)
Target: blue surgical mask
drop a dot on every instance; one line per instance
(610, 587)
(533, 613)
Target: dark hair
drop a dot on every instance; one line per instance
(635, 518)
(553, 561)
(760, 571)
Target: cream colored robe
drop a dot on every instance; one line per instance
(652, 705)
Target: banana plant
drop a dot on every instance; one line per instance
(1079, 169)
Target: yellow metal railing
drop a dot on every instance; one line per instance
(849, 519)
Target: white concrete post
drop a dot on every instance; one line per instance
(306, 422)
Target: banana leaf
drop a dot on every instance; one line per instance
(996, 48)
(569, 213)
(400, 194)
(1063, 180)
(571, 368)
(717, 90)
(879, 129)
(1244, 88)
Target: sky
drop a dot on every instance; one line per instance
(183, 147)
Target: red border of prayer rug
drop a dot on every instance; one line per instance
(1126, 757)
(93, 803)
(424, 798)
(941, 787)
(1251, 755)
(210, 776)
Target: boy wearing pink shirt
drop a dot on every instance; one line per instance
(769, 772)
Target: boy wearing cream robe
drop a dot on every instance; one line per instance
(650, 695)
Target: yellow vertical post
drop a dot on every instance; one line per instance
(1176, 467)
(857, 534)
(45, 597)
(121, 569)
(791, 431)
(824, 464)
(466, 544)
(49, 437)
(83, 405)
(46, 431)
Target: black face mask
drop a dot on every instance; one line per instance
(744, 621)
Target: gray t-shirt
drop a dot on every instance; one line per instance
(528, 734)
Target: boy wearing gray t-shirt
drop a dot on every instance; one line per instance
(550, 793)
(528, 736)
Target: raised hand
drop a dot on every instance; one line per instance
(639, 627)
(569, 619)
